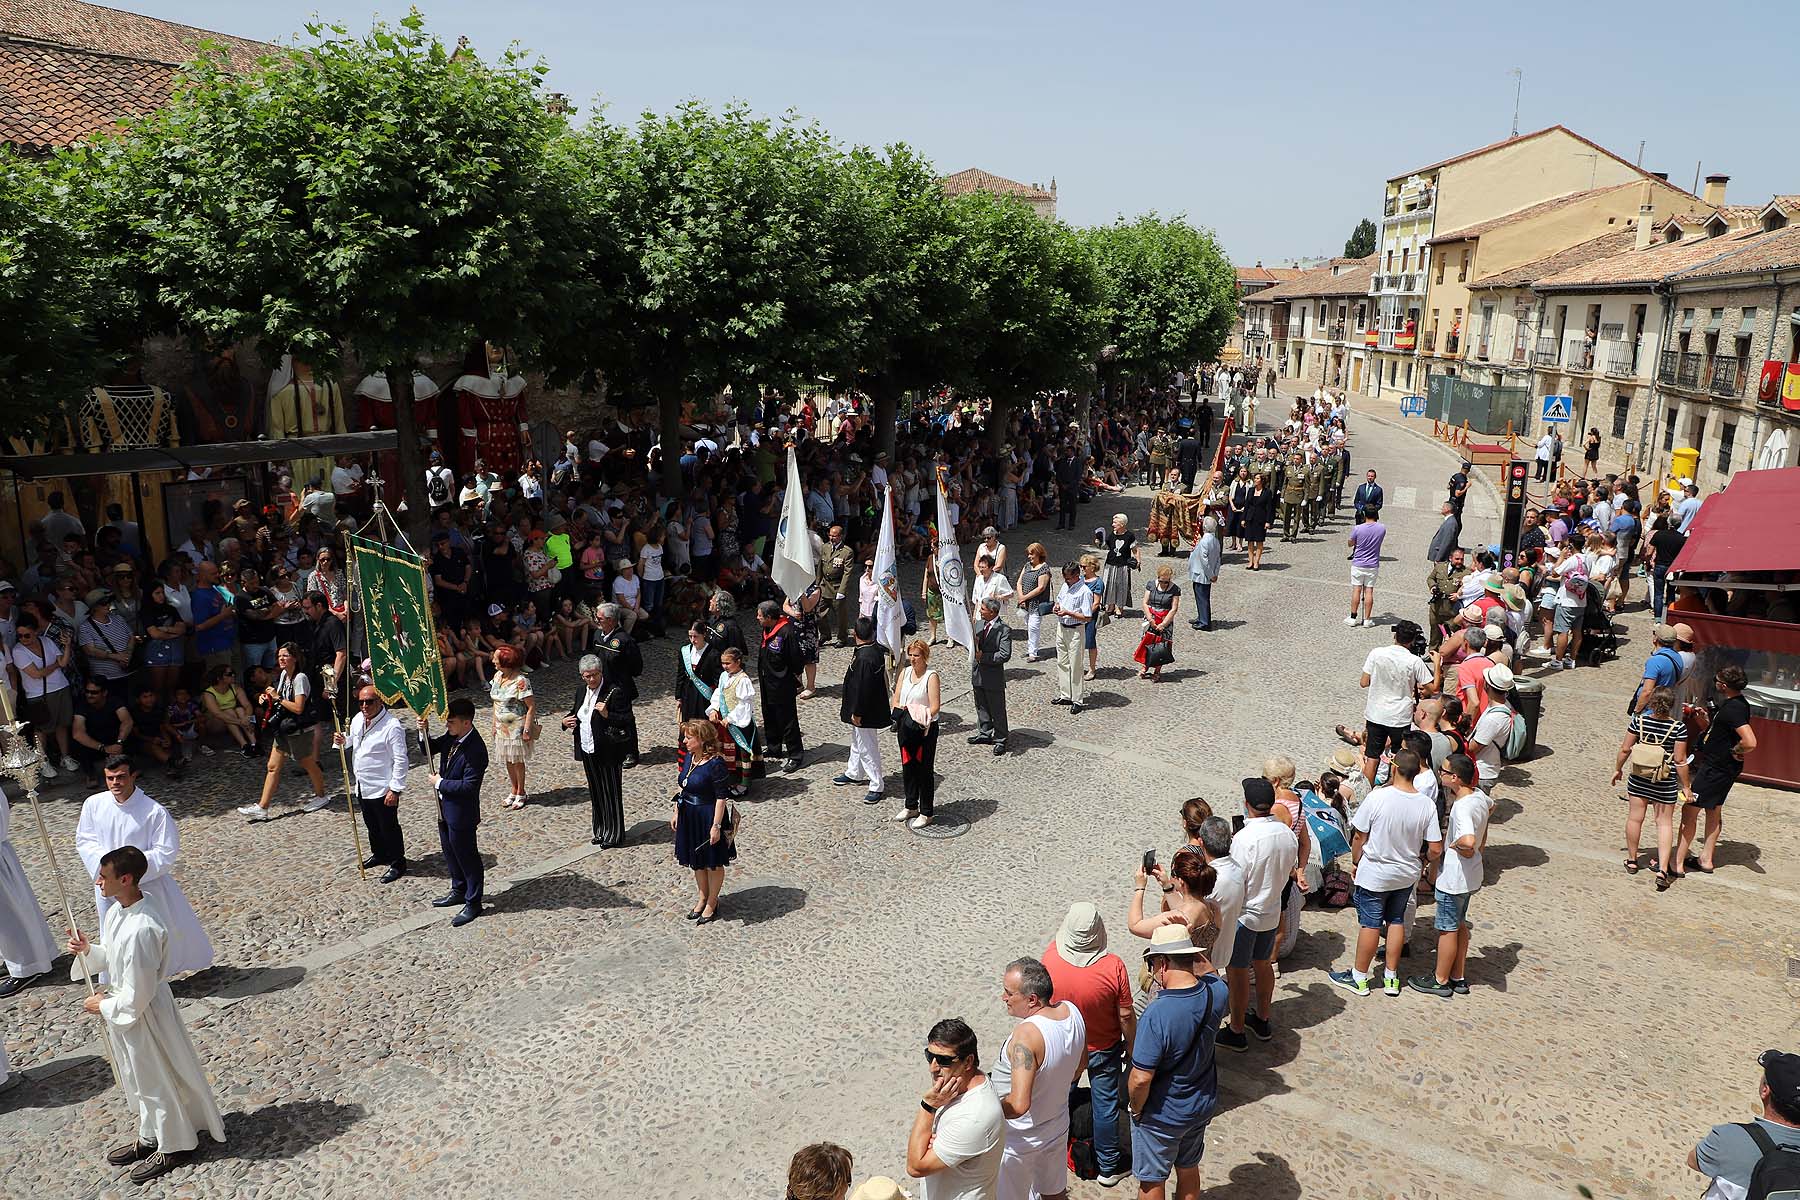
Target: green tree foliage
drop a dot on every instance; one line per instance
(1361, 243)
(1036, 324)
(56, 291)
(381, 192)
(1168, 295)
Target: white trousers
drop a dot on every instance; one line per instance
(1034, 621)
(865, 756)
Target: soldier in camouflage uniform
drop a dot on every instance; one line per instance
(1162, 448)
(1315, 478)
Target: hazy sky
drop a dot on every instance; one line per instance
(1273, 124)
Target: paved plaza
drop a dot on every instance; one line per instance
(583, 1040)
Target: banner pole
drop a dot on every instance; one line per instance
(332, 684)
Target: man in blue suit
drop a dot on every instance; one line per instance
(461, 760)
(1369, 495)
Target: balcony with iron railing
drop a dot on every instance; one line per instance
(1618, 359)
(1687, 371)
(1296, 332)
(1519, 351)
(1336, 333)
(1666, 365)
(1578, 354)
(1482, 346)
(1546, 353)
(1725, 375)
(1429, 344)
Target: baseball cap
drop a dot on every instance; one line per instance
(98, 596)
(6, 586)
(495, 610)
(1780, 1069)
(1662, 633)
(1259, 795)
(1684, 632)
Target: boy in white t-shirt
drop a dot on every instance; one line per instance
(1459, 878)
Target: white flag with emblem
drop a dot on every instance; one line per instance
(793, 567)
(890, 614)
(951, 584)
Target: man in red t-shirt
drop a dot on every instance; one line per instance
(1471, 688)
(1097, 984)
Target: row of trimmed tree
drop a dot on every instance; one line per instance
(387, 195)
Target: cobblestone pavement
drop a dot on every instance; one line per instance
(583, 1039)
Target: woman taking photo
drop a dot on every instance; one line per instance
(1653, 763)
(1162, 600)
(291, 725)
(917, 692)
(1034, 597)
(224, 708)
(515, 719)
(703, 838)
(1121, 559)
(167, 634)
(805, 611)
(733, 705)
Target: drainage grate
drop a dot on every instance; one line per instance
(1794, 968)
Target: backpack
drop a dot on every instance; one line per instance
(1514, 745)
(1638, 692)
(1776, 1175)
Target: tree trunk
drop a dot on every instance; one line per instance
(886, 392)
(668, 404)
(412, 467)
(999, 413)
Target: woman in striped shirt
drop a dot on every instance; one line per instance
(1659, 784)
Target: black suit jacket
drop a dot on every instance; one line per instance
(993, 649)
(597, 722)
(866, 690)
(1368, 495)
(460, 768)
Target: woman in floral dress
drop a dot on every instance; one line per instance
(515, 718)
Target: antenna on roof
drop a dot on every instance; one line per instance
(1640, 157)
(1518, 74)
(1696, 188)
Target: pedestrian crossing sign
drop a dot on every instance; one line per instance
(1557, 409)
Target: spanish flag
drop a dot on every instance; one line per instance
(1790, 388)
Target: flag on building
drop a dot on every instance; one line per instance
(951, 584)
(1790, 388)
(793, 566)
(403, 657)
(890, 613)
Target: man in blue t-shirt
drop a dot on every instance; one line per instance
(1174, 1085)
(215, 616)
(1662, 669)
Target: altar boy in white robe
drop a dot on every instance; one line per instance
(158, 1068)
(25, 942)
(123, 815)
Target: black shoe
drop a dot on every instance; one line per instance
(981, 739)
(708, 919)
(1233, 1039)
(999, 749)
(371, 861)
(447, 900)
(843, 781)
(695, 915)
(629, 762)
(130, 1152)
(596, 842)
(249, 751)
(789, 765)
(1075, 708)
(1261, 1028)
(1060, 700)
(1194, 625)
(394, 872)
(470, 911)
(12, 986)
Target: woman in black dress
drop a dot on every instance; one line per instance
(1590, 455)
(1258, 506)
(704, 837)
(1240, 497)
(1162, 598)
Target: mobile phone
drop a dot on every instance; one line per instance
(1237, 823)
(1149, 861)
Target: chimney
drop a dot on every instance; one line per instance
(1646, 216)
(1715, 189)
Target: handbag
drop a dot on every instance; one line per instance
(1159, 652)
(1650, 760)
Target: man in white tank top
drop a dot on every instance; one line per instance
(1038, 1063)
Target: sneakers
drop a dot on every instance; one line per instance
(46, 771)
(315, 803)
(1368, 624)
(1429, 985)
(1349, 982)
(1391, 985)
(1351, 620)
(1556, 664)
(208, 751)
(248, 750)
(1264, 1031)
(1233, 1039)
(68, 764)
(843, 781)
(920, 821)
(1568, 662)
(1459, 986)
(1112, 1180)
(872, 798)
(255, 812)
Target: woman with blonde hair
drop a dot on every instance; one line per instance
(701, 822)
(1156, 649)
(1122, 557)
(1279, 770)
(1035, 594)
(515, 718)
(918, 693)
(1091, 579)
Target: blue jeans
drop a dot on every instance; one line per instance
(651, 597)
(1202, 603)
(259, 654)
(1105, 1075)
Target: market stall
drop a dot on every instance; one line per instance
(1746, 541)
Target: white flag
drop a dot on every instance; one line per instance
(951, 584)
(793, 565)
(890, 615)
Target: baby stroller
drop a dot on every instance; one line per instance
(1599, 633)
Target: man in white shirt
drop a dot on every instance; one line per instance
(1546, 446)
(347, 483)
(1394, 677)
(1268, 854)
(959, 1133)
(378, 762)
(1494, 726)
(1228, 884)
(440, 483)
(1459, 878)
(1073, 609)
(1390, 826)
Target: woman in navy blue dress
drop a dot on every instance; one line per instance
(703, 841)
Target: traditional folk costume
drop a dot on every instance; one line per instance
(377, 412)
(734, 703)
(490, 416)
(305, 407)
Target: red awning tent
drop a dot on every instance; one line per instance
(1753, 525)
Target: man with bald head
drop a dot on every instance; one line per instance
(377, 745)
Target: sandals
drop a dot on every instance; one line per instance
(1694, 864)
(514, 801)
(1662, 880)
(1143, 674)
(1632, 865)
(1347, 737)
(806, 694)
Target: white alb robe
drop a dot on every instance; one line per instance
(158, 1067)
(25, 942)
(142, 822)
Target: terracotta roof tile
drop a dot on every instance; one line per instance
(1535, 210)
(1526, 137)
(976, 180)
(1322, 282)
(1646, 266)
(51, 96)
(1758, 251)
(114, 31)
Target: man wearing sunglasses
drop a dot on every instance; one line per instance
(959, 1133)
(377, 744)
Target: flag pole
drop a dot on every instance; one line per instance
(332, 686)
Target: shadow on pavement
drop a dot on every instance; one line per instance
(285, 1130)
(650, 833)
(559, 796)
(1268, 1178)
(235, 983)
(87, 1078)
(1104, 700)
(753, 906)
(559, 890)
(1315, 948)
(431, 866)
(969, 811)
(1490, 965)
(1739, 854)
(1505, 809)
(1497, 860)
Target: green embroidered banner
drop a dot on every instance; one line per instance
(396, 605)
